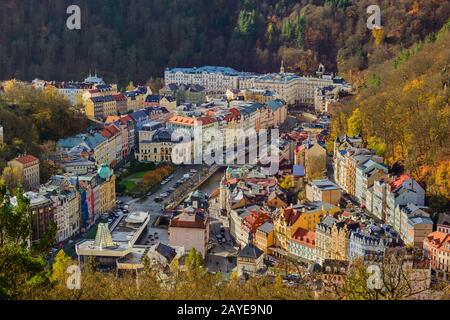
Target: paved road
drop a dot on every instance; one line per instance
(221, 258)
(148, 204)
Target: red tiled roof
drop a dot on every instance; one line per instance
(113, 129)
(119, 97)
(26, 159)
(304, 237)
(291, 216)
(126, 119)
(206, 120)
(186, 220)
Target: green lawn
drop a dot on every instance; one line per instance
(131, 182)
(137, 175)
(129, 185)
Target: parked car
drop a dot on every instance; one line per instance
(158, 199)
(193, 171)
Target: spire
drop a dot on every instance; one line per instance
(250, 238)
(103, 238)
(282, 67)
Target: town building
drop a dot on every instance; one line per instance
(340, 234)
(101, 107)
(323, 238)
(324, 191)
(402, 190)
(341, 145)
(436, 248)
(370, 243)
(314, 159)
(305, 216)
(250, 260)
(324, 96)
(110, 246)
(213, 79)
(28, 167)
(190, 230)
(366, 175)
(156, 146)
(42, 211)
(67, 210)
(413, 225)
(303, 245)
(264, 237)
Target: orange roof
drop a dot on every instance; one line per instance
(110, 131)
(182, 120)
(438, 239)
(305, 237)
(399, 181)
(25, 160)
(111, 119)
(215, 193)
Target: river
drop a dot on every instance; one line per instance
(213, 183)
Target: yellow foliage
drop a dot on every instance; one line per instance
(413, 85)
(378, 35)
(442, 178)
(9, 85)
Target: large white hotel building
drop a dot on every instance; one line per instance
(289, 87)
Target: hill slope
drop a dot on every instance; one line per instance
(402, 110)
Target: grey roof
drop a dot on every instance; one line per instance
(266, 227)
(167, 252)
(250, 251)
(329, 221)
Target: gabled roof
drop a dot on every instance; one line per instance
(304, 237)
(167, 252)
(274, 105)
(266, 227)
(250, 252)
(153, 98)
(24, 160)
(187, 219)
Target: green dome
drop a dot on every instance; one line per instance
(104, 172)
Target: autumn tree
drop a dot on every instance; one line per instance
(355, 124)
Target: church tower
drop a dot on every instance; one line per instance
(282, 67)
